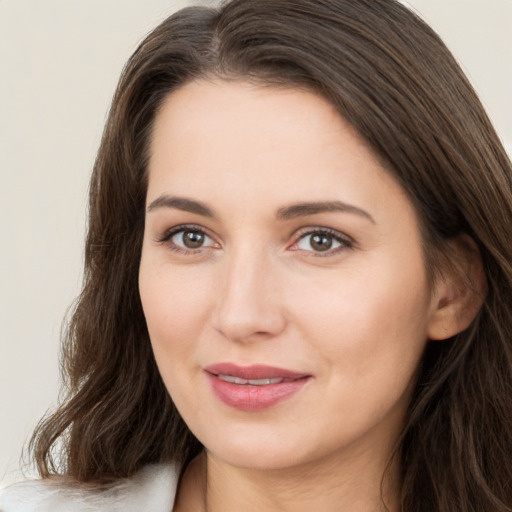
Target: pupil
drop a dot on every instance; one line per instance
(193, 239)
(321, 242)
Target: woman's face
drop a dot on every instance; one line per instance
(282, 277)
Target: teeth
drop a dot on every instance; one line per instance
(234, 380)
(249, 382)
(264, 382)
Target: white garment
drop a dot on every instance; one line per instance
(153, 489)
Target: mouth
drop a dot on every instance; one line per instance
(254, 388)
(251, 382)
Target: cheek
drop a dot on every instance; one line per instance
(368, 336)
(176, 306)
(368, 323)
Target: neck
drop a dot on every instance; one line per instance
(355, 484)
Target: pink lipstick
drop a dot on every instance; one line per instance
(253, 388)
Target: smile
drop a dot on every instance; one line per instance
(253, 388)
(251, 382)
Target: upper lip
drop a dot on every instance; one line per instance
(254, 372)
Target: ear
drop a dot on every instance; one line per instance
(459, 291)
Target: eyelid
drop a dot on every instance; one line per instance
(169, 233)
(346, 241)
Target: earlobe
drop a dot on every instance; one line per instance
(459, 292)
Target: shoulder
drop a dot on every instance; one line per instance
(152, 490)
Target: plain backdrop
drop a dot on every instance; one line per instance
(59, 63)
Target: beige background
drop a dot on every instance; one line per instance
(59, 62)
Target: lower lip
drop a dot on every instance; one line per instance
(254, 398)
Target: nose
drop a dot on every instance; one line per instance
(248, 306)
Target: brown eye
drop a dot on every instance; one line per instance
(193, 239)
(190, 239)
(323, 241)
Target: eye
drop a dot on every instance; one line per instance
(187, 238)
(322, 241)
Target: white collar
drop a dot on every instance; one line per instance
(151, 490)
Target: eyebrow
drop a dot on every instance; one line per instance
(305, 209)
(181, 203)
(286, 213)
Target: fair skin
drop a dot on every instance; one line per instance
(336, 293)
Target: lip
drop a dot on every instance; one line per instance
(249, 397)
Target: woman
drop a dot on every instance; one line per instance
(298, 278)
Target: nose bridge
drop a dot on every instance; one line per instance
(248, 305)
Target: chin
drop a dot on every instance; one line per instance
(259, 458)
(264, 449)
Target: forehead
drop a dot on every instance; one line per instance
(244, 141)
(239, 114)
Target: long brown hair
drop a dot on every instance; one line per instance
(390, 76)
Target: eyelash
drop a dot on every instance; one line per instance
(345, 241)
(165, 239)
